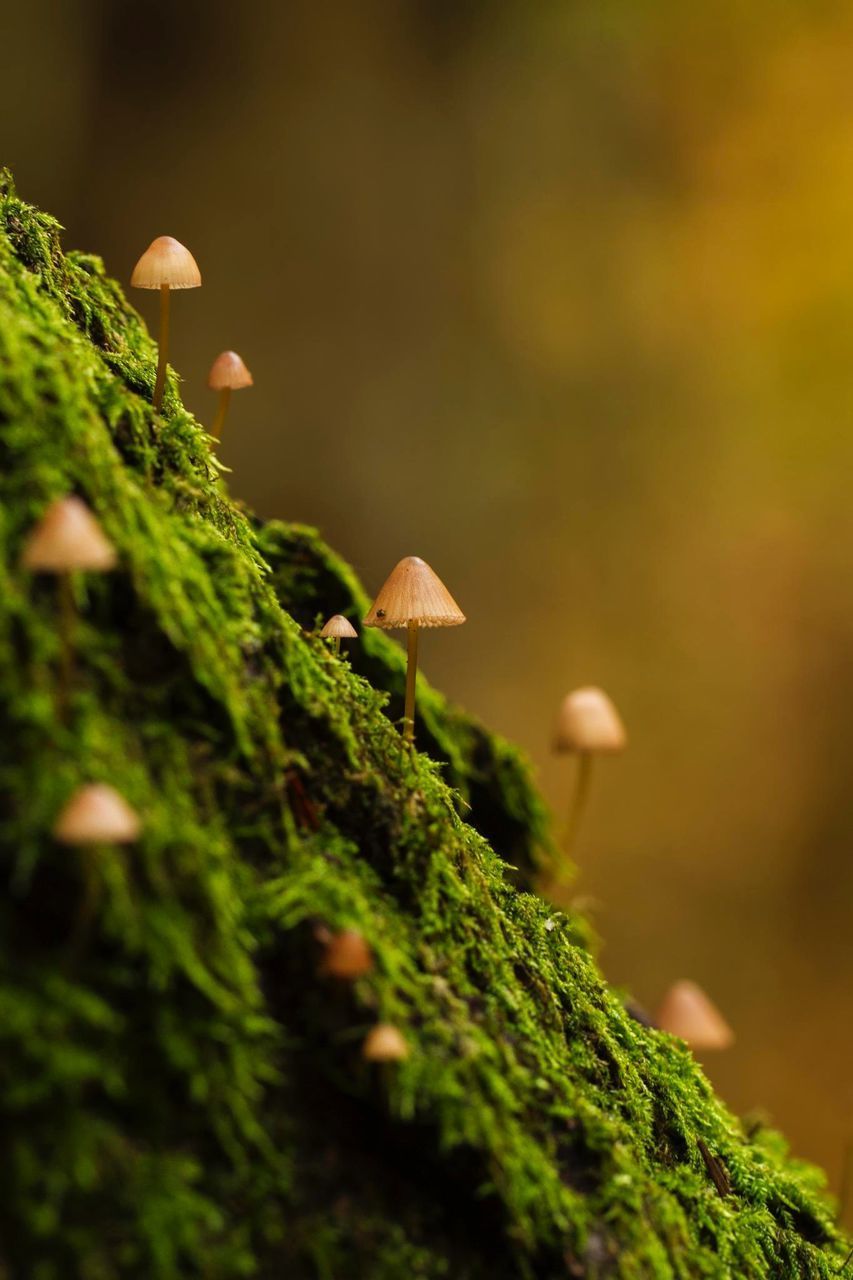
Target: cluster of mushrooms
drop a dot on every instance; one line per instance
(69, 541)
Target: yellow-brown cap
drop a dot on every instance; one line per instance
(97, 814)
(687, 1011)
(588, 721)
(229, 373)
(339, 626)
(347, 956)
(384, 1043)
(166, 261)
(68, 537)
(412, 592)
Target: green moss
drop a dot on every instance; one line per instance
(181, 1094)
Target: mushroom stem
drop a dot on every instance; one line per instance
(579, 799)
(219, 420)
(163, 354)
(337, 640)
(67, 623)
(411, 674)
(88, 908)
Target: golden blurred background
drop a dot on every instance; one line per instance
(560, 297)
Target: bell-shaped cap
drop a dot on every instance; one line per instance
(686, 1011)
(68, 537)
(384, 1043)
(588, 721)
(339, 626)
(228, 373)
(97, 814)
(413, 593)
(347, 956)
(166, 261)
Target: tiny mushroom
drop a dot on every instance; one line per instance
(686, 1011)
(165, 265)
(347, 956)
(338, 628)
(97, 814)
(384, 1043)
(67, 539)
(588, 724)
(227, 373)
(413, 596)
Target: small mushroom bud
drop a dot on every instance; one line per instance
(347, 956)
(68, 539)
(413, 596)
(588, 724)
(97, 814)
(227, 373)
(338, 628)
(384, 1043)
(165, 265)
(686, 1011)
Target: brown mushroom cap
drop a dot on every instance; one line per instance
(588, 721)
(347, 956)
(68, 537)
(339, 626)
(686, 1011)
(228, 373)
(414, 593)
(384, 1043)
(166, 261)
(97, 814)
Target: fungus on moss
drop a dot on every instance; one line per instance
(97, 814)
(338, 628)
(227, 373)
(687, 1011)
(67, 540)
(588, 724)
(413, 596)
(347, 956)
(165, 265)
(385, 1043)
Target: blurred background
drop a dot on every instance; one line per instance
(560, 297)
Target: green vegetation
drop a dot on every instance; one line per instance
(181, 1094)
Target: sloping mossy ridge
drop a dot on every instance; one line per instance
(181, 1094)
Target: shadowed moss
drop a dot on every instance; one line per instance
(181, 1094)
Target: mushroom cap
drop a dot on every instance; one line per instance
(97, 814)
(68, 537)
(412, 592)
(166, 261)
(686, 1011)
(339, 626)
(347, 956)
(384, 1043)
(229, 373)
(588, 721)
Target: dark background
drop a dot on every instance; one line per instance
(560, 297)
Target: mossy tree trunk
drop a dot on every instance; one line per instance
(183, 1094)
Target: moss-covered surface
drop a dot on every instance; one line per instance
(181, 1093)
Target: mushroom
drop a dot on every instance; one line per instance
(686, 1011)
(588, 724)
(227, 373)
(165, 265)
(413, 596)
(384, 1043)
(67, 539)
(347, 956)
(97, 814)
(338, 628)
